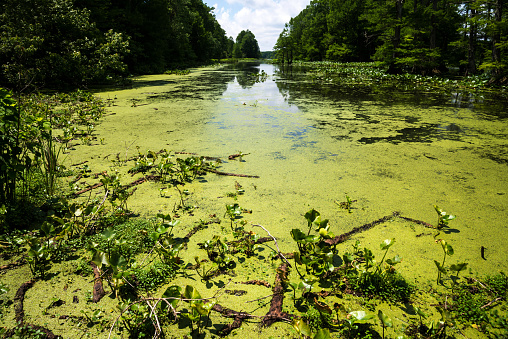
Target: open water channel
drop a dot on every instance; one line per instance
(311, 143)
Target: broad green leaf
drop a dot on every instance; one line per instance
(387, 322)
(323, 333)
(439, 267)
(396, 260)
(172, 292)
(361, 315)
(458, 267)
(191, 293)
(100, 258)
(386, 244)
(202, 308)
(301, 327)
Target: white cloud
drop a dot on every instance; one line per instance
(264, 18)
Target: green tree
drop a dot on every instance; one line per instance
(50, 42)
(246, 45)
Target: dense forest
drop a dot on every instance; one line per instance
(77, 42)
(421, 36)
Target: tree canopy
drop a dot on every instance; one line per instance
(246, 45)
(77, 42)
(420, 36)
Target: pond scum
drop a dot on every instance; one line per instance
(93, 268)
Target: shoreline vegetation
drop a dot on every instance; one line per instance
(74, 265)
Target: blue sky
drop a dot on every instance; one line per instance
(264, 18)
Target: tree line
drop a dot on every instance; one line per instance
(74, 43)
(420, 36)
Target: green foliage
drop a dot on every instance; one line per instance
(153, 276)
(63, 49)
(246, 46)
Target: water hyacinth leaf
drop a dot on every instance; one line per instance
(301, 327)
(396, 260)
(439, 267)
(323, 333)
(387, 244)
(202, 308)
(108, 234)
(458, 267)
(191, 293)
(173, 293)
(311, 216)
(387, 322)
(361, 315)
(298, 259)
(100, 258)
(118, 261)
(297, 235)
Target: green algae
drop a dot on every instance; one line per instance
(308, 151)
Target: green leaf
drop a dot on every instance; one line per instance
(191, 293)
(396, 260)
(458, 267)
(108, 234)
(361, 315)
(387, 244)
(100, 258)
(301, 327)
(439, 267)
(202, 308)
(387, 322)
(323, 333)
(171, 292)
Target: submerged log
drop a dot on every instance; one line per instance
(98, 289)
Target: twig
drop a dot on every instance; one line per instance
(268, 296)
(276, 245)
(490, 303)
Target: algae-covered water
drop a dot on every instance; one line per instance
(311, 144)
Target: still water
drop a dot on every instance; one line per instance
(311, 143)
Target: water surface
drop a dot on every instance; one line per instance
(312, 142)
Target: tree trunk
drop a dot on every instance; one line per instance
(473, 32)
(496, 38)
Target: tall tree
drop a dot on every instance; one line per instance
(246, 45)
(49, 42)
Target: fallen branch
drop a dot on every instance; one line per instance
(343, 237)
(276, 245)
(231, 174)
(491, 302)
(20, 313)
(275, 312)
(423, 223)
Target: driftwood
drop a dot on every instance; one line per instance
(98, 289)
(20, 313)
(275, 313)
(239, 317)
(419, 222)
(234, 156)
(343, 237)
(134, 183)
(256, 282)
(231, 174)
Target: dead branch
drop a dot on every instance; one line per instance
(231, 174)
(276, 245)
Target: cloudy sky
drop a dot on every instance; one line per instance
(264, 18)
